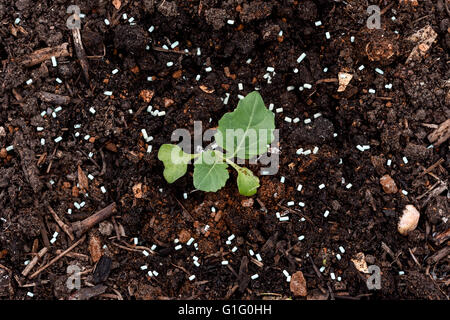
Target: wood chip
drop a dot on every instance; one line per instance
(83, 180)
(116, 4)
(441, 134)
(95, 247)
(298, 284)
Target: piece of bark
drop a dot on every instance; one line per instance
(102, 270)
(438, 255)
(82, 179)
(243, 277)
(441, 134)
(27, 157)
(54, 98)
(81, 54)
(88, 293)
(42, 55)
(442, 237)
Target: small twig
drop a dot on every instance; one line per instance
(35, 260)
(391, 253)
(78, 43)
(80, 227)
(414, 258)
(54, 98)
(39, 56)
(61, 224)
(431, 168)
(171, 51)
(34, 275)
(328, 80)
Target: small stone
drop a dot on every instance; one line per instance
(409, 220)
(247, 203)
(184, 236)
(168, 102)
(3, 153)
(298, 284)
(106, 228)
(388, 184)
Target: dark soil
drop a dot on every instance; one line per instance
(394, 122)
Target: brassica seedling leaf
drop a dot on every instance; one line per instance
(248, 130)
(175, 161)
(210, 172)
(247, 183)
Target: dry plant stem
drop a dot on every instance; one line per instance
(80, 227)
(34, 275)
(79, 49)
(41, 55)
(54, 98)
(33, 262)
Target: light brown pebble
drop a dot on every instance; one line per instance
(184, 236)
(3, 153)
(409, 220)
(247, 203)
(388, 184)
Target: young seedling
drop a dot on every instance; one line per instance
(245, 133)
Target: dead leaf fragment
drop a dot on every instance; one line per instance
(82, 179)
(360, 262)
(206, 89)
(344, 80)
(138, 191)
(298, 284)
(424, 39)
(95, 248)
(116, 4)
(441, 134)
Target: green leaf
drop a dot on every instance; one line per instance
(175, 161)
(247, 130)
(210, 172)
(247, 183)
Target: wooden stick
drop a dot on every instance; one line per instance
(33, 262)
(39, 56)
(441, 134)
(53, 98)
(80, 227)
(34, 275)
(81, 54)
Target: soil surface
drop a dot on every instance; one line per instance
(74, 146)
